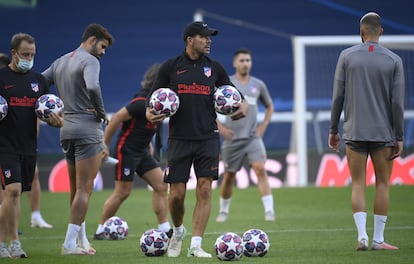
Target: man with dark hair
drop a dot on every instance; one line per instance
(134, 156)
(76, 76)
(244, 138)
(193, 134)
(21, 87)
(369, 88)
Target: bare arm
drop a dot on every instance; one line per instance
(261, 128)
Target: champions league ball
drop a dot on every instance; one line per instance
(115, 228)
(164, 101)
(154, 243)
(227, 99)
(229, 246)
(46, 104)
(256, 243)
(4, 107)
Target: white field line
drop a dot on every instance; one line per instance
(268, 231)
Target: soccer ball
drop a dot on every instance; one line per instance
(154, 243)
(164, 101)
(4, 107)
(229, 246)
(115, 228)
(46, 104)
(226, 99)
(256, 243)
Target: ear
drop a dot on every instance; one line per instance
(91, 40)
(381, 31)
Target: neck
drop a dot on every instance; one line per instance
(243, 78)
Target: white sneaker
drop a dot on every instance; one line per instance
(4, 251)
(222, 217)
(40, 222)
(198, 253)
(270, 216)
(73, 251)
(174, 247)
(16, 250)
(88, 247)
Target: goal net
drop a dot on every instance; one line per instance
(315, 60)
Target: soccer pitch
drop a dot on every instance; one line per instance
(313, 225)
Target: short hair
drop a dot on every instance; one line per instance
(18, 38)
(98, 31)
(4, 60)
(372, 21)
(242, 51)
(150, 76)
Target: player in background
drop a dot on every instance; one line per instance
(244, 138)
(193, 134)
(21, 87)
(134, 156)
(34, 195)
(76, 77)
(369, 88)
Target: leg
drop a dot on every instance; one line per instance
(176, 206)
(118, 196)
(203, 205)
(112, 204)
(34, 198)
(383, 168)
(357, 166)
(154, 178)
(10, 212)
(264, 189)
(176, 203)
(226, 191)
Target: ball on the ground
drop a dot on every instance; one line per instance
(4, 107)
(164, 101)
(115, 228)
(227, 99)
(47, 104)
(229, 246)
(256, 243)
(154, 243)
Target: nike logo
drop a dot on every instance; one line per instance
(181, 72)
(8, 86)
(213, 168)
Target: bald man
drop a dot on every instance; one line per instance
(369, 88)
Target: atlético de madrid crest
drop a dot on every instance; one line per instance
(35, 87)
(207, 71)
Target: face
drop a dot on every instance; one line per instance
(26, 51)
(242, 63)
(200, 44)
(98, 47)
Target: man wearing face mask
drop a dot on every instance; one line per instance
(76, 76)
(21, 87)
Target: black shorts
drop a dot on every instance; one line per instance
(17, 168)
(129, 164)
(368, 146)
(181, 154)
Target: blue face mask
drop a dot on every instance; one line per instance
(25, 65)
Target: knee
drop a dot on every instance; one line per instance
(204, 190)
(160, 188)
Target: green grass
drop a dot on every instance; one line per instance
(313, 225)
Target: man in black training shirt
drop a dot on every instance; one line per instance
(193, 133)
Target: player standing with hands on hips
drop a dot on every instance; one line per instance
(369, 88)
(244, 138)
(193, 134)
(21, 87)
(76, 76)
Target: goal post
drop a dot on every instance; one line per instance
(300, 45)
